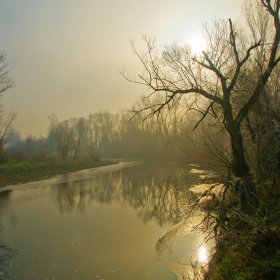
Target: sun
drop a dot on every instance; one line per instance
(198, 44)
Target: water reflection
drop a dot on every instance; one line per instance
(202, 254)
(70, 197)
(93, 215)
(155, 192)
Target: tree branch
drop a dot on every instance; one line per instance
(204, 115)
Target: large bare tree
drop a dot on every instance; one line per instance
(219, 75)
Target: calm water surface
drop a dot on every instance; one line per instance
(100, 223)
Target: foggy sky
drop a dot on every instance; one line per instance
(64, 55)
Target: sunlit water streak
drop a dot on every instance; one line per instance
(202, 254)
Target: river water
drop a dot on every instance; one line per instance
(102, 223)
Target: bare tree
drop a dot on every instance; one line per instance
(51, 138)
(6, 129)
(5, 121)
(262, 122)
(94, 135)
(64, 138)
(218, 75)
(79, 134)
(5, 81)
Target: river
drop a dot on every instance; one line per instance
(103, 223)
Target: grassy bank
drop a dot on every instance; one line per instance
(248, 246)
(32, 170)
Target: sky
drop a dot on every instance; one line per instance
(65, 55)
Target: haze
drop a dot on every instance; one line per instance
(65, 55)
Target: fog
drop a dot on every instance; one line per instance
(65, 55)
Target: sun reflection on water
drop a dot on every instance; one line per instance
(202, 254)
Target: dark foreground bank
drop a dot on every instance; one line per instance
(248, 245)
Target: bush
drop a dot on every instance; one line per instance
(3, 157)
(18, 155)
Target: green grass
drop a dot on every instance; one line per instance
(32, 170)
(251, 253)
(237, 264)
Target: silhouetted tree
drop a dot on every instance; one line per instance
(6, 128)
(217, 75)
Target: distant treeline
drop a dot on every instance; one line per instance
(103, 134)
(170, 135)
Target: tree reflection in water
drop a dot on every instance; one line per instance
(156, 192)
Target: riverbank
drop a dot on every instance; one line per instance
(247, 238)
(32, 170)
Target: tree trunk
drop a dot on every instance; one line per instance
(240, 167)
(244, 185)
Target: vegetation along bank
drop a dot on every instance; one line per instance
(33, 169)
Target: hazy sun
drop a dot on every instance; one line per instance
(198, 44)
